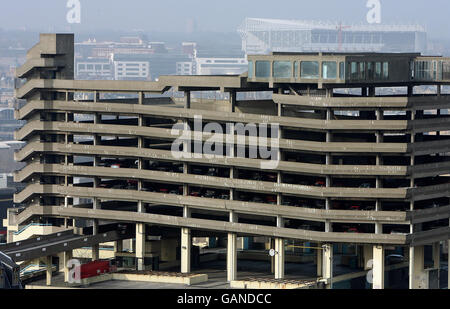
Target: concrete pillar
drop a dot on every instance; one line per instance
(186, 243)
(49, 270)
(232, 251)
(233, 100)
(140, 246)
(95, 248)
(416, 267)
(67, 256)
(328, 264)
(231, 257)
(280, 252)
(187, 98)
(378, 267)
(319, 261)
(118, 246)
(279, 258)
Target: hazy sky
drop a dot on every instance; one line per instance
(212, 15)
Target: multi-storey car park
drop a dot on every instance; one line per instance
(356, 166)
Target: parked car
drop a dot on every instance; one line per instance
(394, 259)
(271, 200)
(320, 183)
(209, 194)
(212, 172)
(365, 186)
(352, 230)
(224, 196)
(195, 193)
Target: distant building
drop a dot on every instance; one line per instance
(94, 68)
(186, 68)
(220, 66)
(131, 67)
(7, 163)
(6, 114)
(261, 36)
(189, 48)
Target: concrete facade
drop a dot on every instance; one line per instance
(349, 172)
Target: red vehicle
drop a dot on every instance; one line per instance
(355, 207)
(320, 183)
(353, 230)
(94, 269)
(195, 193)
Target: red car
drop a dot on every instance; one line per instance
(320, 183)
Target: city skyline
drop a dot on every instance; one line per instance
(199, 15)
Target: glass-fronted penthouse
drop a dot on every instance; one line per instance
(333, 68)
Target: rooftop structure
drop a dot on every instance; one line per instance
(365, 169)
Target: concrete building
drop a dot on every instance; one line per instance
(369, 178)
(220, 66)
(261, 36)
(94, 68)
(186, 68)
(130, 67)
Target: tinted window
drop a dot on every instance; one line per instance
(262, 69)
(282, 69)
(329, 70)
(310, 69)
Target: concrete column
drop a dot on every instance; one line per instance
(279, 258)
(141, 98)
(186, 242)
(280, 252)
(67, 256)
(378, 267)
(118, 246)
(319, 261)
(233, 100)
(232, 251)
(328, 264)
(416, 267)
(95, 248)
(231, 257)
(49, 270)
(140, 246)
(187, 98)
